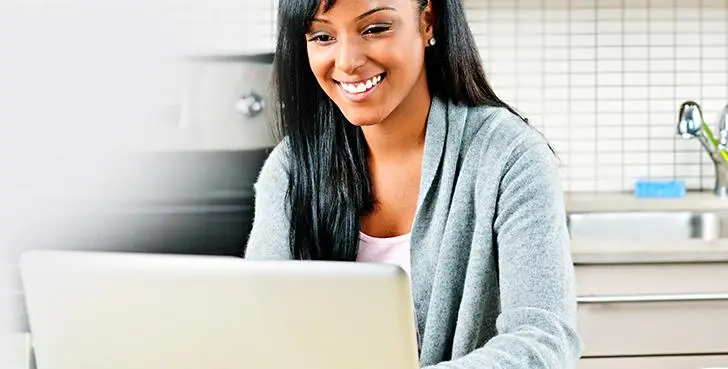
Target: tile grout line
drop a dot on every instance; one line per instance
(489, 40)
(702, 77)
(649, 87)
(674, 82)
(569, 121)
(621, 85)
(517, 52)
(543, 67)
(595, 24)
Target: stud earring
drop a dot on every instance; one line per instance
(432, 42)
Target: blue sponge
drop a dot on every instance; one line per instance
(659, 189)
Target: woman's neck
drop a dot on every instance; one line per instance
(403, 132)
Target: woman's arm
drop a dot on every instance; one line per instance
(269, 236)
(537, 323)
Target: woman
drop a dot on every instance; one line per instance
(397, 150)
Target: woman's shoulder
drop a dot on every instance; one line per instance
(505, 154)
(275, 167)
(501, 129)
(500, 137)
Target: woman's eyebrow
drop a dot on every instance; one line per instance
(370, 12)
(363, 15)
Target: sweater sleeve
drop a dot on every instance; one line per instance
(268, 238)
(536, 328)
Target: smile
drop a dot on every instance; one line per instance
(361, 88)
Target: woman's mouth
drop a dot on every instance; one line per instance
(359, 91)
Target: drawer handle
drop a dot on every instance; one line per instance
(652, 298)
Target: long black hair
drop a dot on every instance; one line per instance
(329, 186)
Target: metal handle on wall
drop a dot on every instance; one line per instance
(652, 298)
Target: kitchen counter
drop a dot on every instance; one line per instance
(590, 251)
(625, 201)
(585, 251)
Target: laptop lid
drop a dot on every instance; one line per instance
(103, 310)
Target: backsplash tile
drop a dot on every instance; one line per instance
(603, 81)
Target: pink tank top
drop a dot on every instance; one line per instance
(390, 250)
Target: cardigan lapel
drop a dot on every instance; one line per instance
(435, 136)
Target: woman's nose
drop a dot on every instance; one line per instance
(350, 56)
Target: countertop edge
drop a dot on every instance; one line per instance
(646, 257)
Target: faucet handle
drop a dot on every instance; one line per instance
(690, 121)
(723, 127)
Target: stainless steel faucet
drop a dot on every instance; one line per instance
(691, 124)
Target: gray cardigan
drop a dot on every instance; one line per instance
(492, 277)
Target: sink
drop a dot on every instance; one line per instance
(646, 226)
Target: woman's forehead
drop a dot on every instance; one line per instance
(328, 6)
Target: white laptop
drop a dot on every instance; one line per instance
(103, 310)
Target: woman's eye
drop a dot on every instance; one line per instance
(373, 30)
(321, 38)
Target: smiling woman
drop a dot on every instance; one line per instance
(396, 149)
(371, 61)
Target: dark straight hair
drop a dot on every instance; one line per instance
(329, 187)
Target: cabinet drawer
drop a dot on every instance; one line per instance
(646, 325)
(628, 279)
(674, 362)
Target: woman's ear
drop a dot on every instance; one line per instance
(427, 24)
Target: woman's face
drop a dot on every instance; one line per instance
(368, 55)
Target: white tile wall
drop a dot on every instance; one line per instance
(604, 79)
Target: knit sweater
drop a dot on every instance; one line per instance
(492, 276)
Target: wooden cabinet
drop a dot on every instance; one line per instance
(661, 315)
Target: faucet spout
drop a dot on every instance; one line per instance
(691, 124)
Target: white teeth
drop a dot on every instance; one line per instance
(356, 88)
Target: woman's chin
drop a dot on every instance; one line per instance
(363, 123)
(363, 118)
